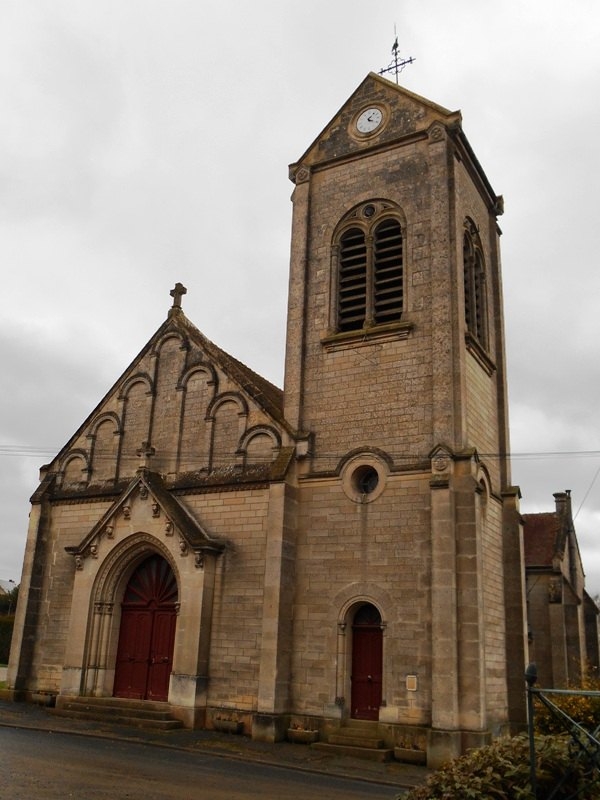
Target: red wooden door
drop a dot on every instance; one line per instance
(132, 655)
(161, 654)
(367, 661)
(147, 634)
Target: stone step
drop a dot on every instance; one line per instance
(380, 754)
(355, 739)
(129, 721)
(134, 713)
(115, 702)
(361, 724)
(110, 710)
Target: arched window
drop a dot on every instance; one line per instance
(475, 293)
(370, 271)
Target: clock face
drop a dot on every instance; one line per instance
(369, 120)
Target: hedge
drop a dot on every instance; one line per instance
(6, 629)
(501, 772)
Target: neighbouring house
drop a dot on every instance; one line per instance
(347, 548)
(563, 618)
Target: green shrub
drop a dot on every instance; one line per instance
(8, 601)
(584, 710)
(6, 629)
(501, 772)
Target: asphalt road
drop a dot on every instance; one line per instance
(39, 765)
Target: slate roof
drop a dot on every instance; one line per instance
(268, 396)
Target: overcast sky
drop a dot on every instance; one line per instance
(145, 142)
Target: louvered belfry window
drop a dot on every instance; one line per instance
(387, 272)
(353, 280)
(370, 290)
(475, 292)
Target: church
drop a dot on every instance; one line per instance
(343, 554)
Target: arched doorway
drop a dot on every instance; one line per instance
(367, 661)
(147, 633)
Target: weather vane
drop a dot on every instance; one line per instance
(397, 64)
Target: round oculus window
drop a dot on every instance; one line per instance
(365, 479)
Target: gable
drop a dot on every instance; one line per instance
(148, 489)
(406, 118)
(406, 115)
(550, 543)
(183, 407)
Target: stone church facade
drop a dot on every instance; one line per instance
(348, 548)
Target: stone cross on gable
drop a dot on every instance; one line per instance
(177, 293)
(145, 453)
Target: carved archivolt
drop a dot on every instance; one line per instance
(122, 560)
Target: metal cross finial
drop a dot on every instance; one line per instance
(177, 293)
(397, 64)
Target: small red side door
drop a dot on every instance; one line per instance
(367, 663)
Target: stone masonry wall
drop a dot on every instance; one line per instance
(240, 518)
(70, 522)
(349, 553)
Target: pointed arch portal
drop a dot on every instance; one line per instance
(147, 633)
(367, 663)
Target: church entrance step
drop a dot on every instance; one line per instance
(359, 739)
(134, 713)
(351, 739)
(381, 754)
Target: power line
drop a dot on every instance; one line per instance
(19, 450)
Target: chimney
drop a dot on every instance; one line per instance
(563, 502)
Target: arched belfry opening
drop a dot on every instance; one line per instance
(367, 663)
(147, 632)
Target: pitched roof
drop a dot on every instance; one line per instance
(266, 394)
(540, 535)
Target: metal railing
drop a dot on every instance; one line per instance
(585, 744)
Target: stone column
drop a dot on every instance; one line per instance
(72, 677)
(295, 344)
(30, 590)
(276, 640)
(558, 640)
(189, 678)
(444, 738)
(517, 656)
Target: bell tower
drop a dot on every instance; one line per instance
(395, 368)
(395, 298)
